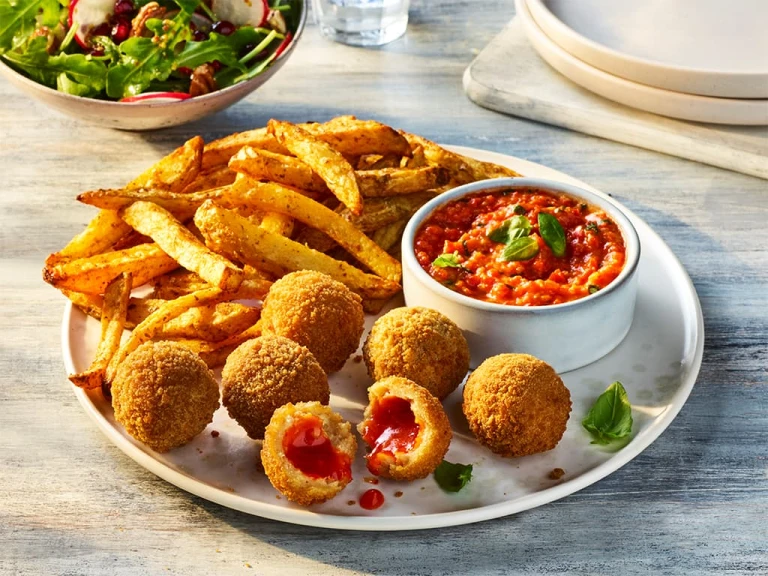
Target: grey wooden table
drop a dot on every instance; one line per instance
(695, 502)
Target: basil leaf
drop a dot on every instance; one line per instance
(593, 288)
(610, 418)
(592, 227)
(452, 477)
(500, 234)
(447, 261)
(515, 227)
(552, 233)
(18, 17)
(519, 209)
(521, 222)
(523, 248)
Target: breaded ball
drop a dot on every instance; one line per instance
(516, 405)
(419, 344)
(262, 374)
(406, 428)
(308, 452)
(164, 395)
(318, 312)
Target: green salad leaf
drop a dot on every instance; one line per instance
(552, 233)
(452, 477)
(610, 418)
(447, 261)
(18, 19)
(225, 49)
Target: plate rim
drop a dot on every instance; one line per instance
(645, 70)
(680, 105)
(306, 517)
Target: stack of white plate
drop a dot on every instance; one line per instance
(699, 60)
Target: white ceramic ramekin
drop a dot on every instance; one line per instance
(566, 336)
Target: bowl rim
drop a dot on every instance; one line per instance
(5, 68)
(602, 201)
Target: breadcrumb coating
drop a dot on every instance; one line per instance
(516, 405)
(283, 475)
(420, 344)
(318, 312)
(265, 373)
(164, 395)
(434, 430)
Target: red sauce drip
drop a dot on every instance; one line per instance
(371, 499)
(308, 448)
(391, 429)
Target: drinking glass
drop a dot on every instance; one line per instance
(361, 22)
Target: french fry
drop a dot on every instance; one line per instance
(173, 173)
(461, 168)
(213, 178)
(417, 159)
(380, 212)
(91, 304)
(113, 315)
(174, 202)
(279, 168)
(273, 221)
(179, 243)
(388, 236)
(377, 162)
(236, 237)
(313, 238)
(276, 223)
(328, 163)
(399, 181)
(215, 354)
(218, 152)
(92, 275)
(177, 283)
(273, 197)
(371, 306)
(211, 322)
(353, 137)
(153, 323)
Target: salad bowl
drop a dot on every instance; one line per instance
(156, 109)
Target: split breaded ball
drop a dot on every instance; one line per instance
(308, 452)
(406, 429)
(164, 395)
(516, 405)
(420, 344)
(318, 312)
(265, 373)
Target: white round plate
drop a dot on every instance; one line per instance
(706, 47)
(657, 363)
(746, 112)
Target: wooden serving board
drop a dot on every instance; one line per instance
(509, 76)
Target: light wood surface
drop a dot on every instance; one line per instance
(695, 502)
(509, 76)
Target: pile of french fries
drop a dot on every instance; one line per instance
(212, 226)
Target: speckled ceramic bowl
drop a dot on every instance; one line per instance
(567, 336)
(148, 115)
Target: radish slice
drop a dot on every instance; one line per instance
(157, 97)
(85, 15)
(242, 12)
(284, 44)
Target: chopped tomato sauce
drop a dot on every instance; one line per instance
(371, 499)
(391, 429)
(307, 447)
(594, 248)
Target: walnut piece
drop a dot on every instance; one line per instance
(202, 80)
(139, 23)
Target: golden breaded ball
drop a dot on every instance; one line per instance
(420, 344)
(516, 405)
(164, 395)
(318, 312)
(402, 412)
(265, 373)
(308, 452)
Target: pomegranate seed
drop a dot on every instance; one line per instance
(124, 7)
(184, 70)
(223, 27)
(101, 30)
(217, 65)
(98, 51)
(199, 36)
(121, 30)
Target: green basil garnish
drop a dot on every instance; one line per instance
(447, 261)
(552, 233)
(592, 227)
(523, 248)
(515, 227)
(519, 209)
(593, 288)
(452, 477)
(610, 418)
(500, 234)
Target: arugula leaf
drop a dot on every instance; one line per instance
(452, 477)
(552, 233)
(523, 248)
(225, 49)
(146, 59)
(18, 19)
(78, 68)
(610, 418)
(447, 261)
(64, 84)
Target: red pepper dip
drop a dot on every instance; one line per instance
(527, 247)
